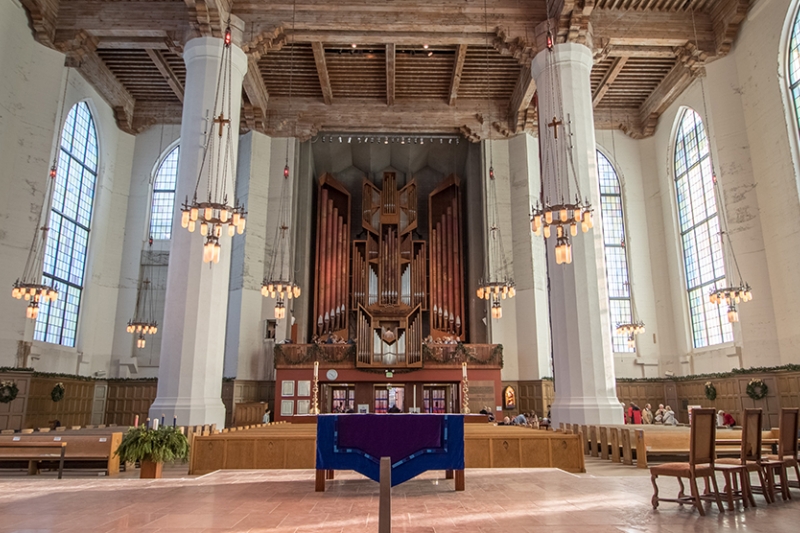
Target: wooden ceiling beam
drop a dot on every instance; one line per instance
(86, 61)
(43, 15)
(727, 17)
(390, 73)
(458, 68)
(608, 79)
(678, 79)
(653, 28)
(256, 91)
(521, 98)
(322, 72)
(166, 70)
(398, 38)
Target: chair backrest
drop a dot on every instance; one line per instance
(703, 435)
(751, 435)
(788, 426)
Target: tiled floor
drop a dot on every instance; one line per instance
(508, 501)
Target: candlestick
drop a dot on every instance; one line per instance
(136, 421)
(174, 421)
(162, 419)
(147, 422)
(315, 391)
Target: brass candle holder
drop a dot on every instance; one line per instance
(464, 389)
(315, 391)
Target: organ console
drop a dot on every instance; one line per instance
(397, 277)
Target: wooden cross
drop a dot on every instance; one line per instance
(221, 120)
(555, 124)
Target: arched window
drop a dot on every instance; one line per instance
(70, 220)
(794, 66)
(619, 293)
(164, 196)
(699, 228)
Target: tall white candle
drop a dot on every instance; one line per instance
(155, 423)
(316, 369)
(464, 370)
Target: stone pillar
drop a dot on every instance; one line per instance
(582, 356)
(193, 332)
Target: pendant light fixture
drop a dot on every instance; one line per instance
(279, 282)
(635, 326)
(143, 321)
(29, 287)
(732, 294)
(496, 283)
(555, 209)
(219, 163)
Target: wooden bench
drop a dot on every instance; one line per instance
(33, 452)
(82, 451)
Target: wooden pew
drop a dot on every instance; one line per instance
(82, 450)
(33, 452)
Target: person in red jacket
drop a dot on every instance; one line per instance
(728, 420)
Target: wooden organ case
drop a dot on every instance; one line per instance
(403, 289)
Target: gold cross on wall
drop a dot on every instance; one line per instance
(555, 124)
(221, 120)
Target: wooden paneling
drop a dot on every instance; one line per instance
(642, 393)
(12, 414)
(74, 410)
(126, 399)
(535, 396)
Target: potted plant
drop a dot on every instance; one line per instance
(152, 448)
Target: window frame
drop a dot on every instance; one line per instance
(617, 340)
(175, 145)
(57, 215)
(698, 306)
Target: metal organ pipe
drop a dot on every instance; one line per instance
(323, 254)
(456, 273)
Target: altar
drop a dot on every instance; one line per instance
(414, 442)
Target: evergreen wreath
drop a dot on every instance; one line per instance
(711, 391)
(757, 389)
(57, 394)
(8, 391)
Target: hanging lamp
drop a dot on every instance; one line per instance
(732, 294)
(279, 281)
(219, 162)
(496, 283)
(29, 287)
(560, 205)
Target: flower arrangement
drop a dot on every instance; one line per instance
(8, 391)
(711, 391)
(57, 394)
(757, 389)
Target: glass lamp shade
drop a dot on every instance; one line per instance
(733, 314)
(497, 311)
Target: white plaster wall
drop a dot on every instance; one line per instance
(152, 146)
(625, 154)
(29, 102)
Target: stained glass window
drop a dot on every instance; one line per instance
(699, 228)
(164, 196)
(794, 66)
(70, 220)
(619, 293)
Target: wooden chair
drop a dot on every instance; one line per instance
(748, 461)
(787, 452)
(701, 464)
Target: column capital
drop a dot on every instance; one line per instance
(210, 48)
(562, 53)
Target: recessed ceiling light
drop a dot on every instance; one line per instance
(425, 46)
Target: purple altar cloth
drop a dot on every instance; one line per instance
(390, 435)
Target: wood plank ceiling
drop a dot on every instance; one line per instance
(441, 66)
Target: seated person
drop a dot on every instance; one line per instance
(395, 409)
(520, 420)
(506, 422)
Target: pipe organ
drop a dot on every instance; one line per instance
(403, 288)
(333, 273)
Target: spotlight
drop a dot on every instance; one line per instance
(323, 138)
(349, 140)
(425, 46)
(340, 139)
(430, 53)
(450, 141)
(386, 141)
(422, 141)
(402, 140)
(354, 45)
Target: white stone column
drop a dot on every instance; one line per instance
(193, 332)
(582, 356)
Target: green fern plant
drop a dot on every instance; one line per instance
(161, 445)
